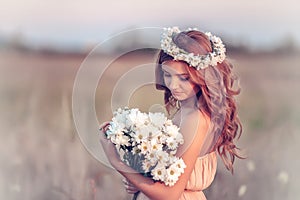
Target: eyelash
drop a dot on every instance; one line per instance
(184, 79)
(166, 75)
(181, 78)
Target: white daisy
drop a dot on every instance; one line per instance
(151, 157)
(148, 141)
(144, 147)
(162, 156)
(159, 172)
(155, 145)
(146, 165)
(171, 143)
(157, 119)
(140, 135)
(179, 138)
(180, 165)
(172, 130)
(114, 128)
(171, 176)
(121, 139)
(135, 117)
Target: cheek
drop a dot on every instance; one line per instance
(192, 88)
(167, 81)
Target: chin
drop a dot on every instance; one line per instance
(181, 98)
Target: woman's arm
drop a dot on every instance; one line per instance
(130, 188)
(194, 127)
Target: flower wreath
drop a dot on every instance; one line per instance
(197, 61)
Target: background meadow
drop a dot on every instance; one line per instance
(44, 43)
(42, 156)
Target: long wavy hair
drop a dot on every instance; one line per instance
(216, 96)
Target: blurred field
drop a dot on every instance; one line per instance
(42, 157)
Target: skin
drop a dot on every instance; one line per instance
(193, 126)
(177, 80)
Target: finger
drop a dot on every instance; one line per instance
(128, 183)
(104, 125)
(131, 188)
(125, 181)
(103, 129)
(131, 191)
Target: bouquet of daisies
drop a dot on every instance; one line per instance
(147, 143)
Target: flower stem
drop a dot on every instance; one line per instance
(135, 195)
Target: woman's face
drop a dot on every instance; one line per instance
(177, 80)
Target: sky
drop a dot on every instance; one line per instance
(259, 23)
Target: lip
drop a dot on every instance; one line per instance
(176, 93)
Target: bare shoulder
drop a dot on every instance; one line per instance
(196, 119)
(194, 127)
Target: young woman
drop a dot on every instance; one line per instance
(198, 82)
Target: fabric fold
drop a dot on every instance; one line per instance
(201, 178)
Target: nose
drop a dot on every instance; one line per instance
(173, 84)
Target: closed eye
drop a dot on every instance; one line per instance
(166, 74)
(184, 78)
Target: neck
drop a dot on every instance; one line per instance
(186, 106)
(189, 103)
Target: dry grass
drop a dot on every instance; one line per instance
(42, 157)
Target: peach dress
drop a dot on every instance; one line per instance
(201, 177)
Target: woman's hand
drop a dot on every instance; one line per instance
(108, 147)
(130, 188)
(103, 128)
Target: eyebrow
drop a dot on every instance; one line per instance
(183, 74)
